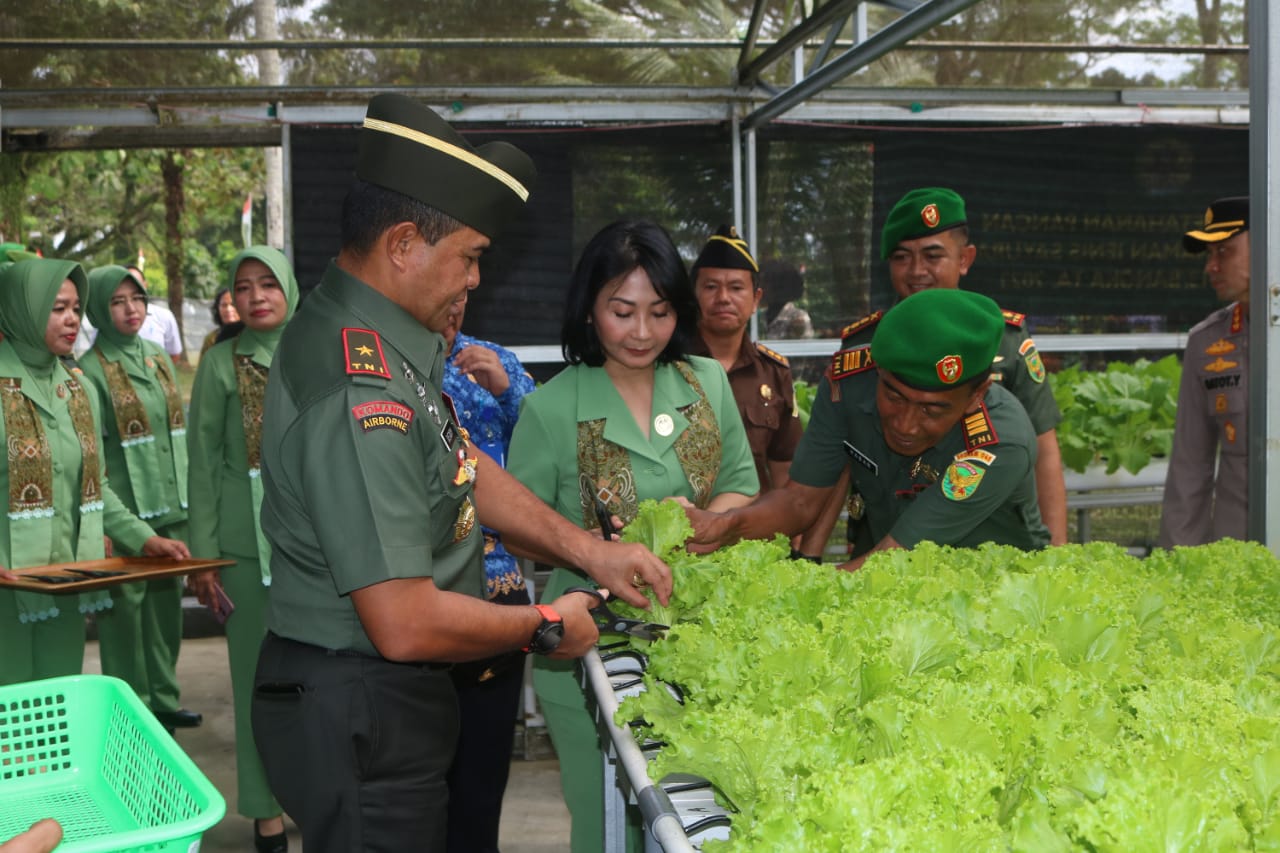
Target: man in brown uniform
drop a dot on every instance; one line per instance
(1213, 396)
(727, 287)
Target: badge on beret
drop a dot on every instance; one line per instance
(1031, 356)
(930, 216)
(961, 480)
(950, 369)
(1221, 346)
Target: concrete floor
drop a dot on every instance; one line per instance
(534, 817)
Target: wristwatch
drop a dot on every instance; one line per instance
(547, 636)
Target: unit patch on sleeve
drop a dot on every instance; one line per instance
(772, 356)
(847, 362)
(383, 414)
(363, 350)
(978, 431)
(983, 456)
(1035, 367)
(961, 480)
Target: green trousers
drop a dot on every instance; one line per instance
(576, 738)
(140, 635)
(245, 629)
(43, 649)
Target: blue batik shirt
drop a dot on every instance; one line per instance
(490, 421)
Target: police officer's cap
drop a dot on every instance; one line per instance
(406, 147)
(920, 213)
(938, 338)
(1225, 218)
(725, 250)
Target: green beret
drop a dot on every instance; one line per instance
(725, 250)
(406, 147)
(935, 339)
(920, 213)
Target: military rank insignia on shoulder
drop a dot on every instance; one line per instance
(1013, 318)
(363, 351)
(978, 431)
(772, 355)
(847, 362)
(858, 325)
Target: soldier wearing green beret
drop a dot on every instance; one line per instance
(937, 449)
(925, 240)
(374, 497)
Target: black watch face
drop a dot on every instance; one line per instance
(547, 638)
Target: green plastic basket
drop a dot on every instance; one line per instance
(85, 751)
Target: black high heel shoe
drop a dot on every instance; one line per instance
(278, 843)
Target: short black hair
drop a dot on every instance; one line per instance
(217, 299)
(368, 210)
(614, 252)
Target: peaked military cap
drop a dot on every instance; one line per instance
(406, 147)
(725, 250)
(920, 213)
(1224, 218)
(935, 339)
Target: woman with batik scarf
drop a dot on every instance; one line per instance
(60, 504)
(145, 449)
(225, 485)
(632, 417)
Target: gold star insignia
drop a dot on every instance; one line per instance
(364, 350)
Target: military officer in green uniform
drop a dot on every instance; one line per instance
(374, 497)
(926, 243)
(937, 449)
(726, 283)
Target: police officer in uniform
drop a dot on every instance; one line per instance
(1213, 396)
(374, 497)
(926, 243)
(726, 283)
(937, 449)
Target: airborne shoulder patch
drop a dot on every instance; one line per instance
(772, 356)
(847, 362)
(363, 351)
(978, 431)
(858, 325)
(1013, 318)
(383, 414)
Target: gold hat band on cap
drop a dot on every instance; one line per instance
(1215, 226)
(452, 150)
(740, 245)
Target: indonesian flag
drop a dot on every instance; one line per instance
(246, 221)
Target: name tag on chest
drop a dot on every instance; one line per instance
(861, 458)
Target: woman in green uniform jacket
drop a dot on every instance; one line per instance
(225, 486)
(146, 452)
(60, 504)
(632, 418)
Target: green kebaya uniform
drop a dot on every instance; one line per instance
(59, 501)
(145, 448)
(225, 484)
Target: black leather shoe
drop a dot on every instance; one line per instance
(269, 843)
(179, 719)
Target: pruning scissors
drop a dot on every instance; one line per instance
(609, 622)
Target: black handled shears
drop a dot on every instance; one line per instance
(609, 622)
